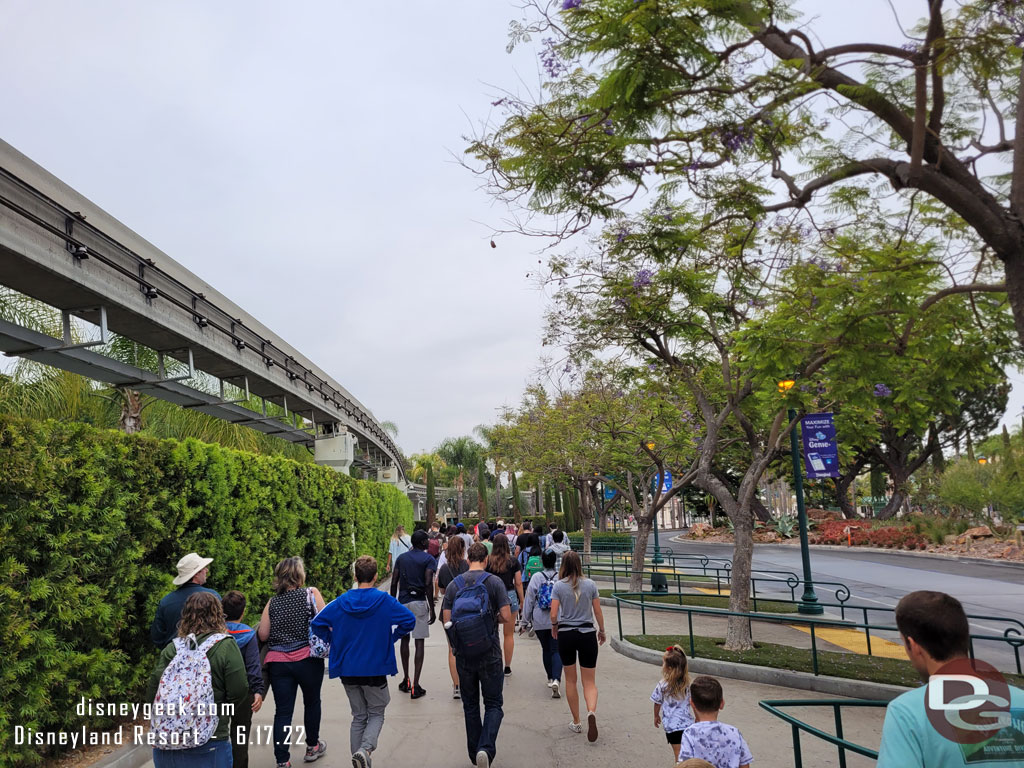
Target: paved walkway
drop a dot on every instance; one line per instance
(429, 732)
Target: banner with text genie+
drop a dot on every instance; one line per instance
(821, 454)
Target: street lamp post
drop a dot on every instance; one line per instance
(657, 559)
(809, 600)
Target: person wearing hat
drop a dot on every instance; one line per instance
(192, 573)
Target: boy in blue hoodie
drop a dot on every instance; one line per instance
(358, 625)
(245, 636)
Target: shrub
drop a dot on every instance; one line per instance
(603, 537)
(91, 525)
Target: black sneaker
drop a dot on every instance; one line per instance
(508, 671)
(404, 686)
(418, 692)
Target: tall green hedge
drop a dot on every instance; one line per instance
(91, 525)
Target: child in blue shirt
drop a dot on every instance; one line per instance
(245, 636)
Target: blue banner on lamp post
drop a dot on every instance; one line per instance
(662, 483)
(821, 452)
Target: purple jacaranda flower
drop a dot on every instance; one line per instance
(622, 234)
(642, 279)
(652, 366)
(568, 368)
(497, 103)
(882, 391)
(736, 137)
(570, 4)
(549, 58)
(911, 47)
(609, 127)
(621, 303)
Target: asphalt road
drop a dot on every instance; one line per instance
(882, 578)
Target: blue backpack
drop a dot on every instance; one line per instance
(474, 628)
(545, 591)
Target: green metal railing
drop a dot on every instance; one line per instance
(1010, 638)
(842, 744)
(681, 574)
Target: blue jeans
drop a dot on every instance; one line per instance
(286, 677)
(213, 754)
(486, 678)
(549, 653)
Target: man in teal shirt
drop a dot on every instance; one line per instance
(936, 637)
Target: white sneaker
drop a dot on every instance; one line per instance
(482, 760)
(554, 690)
(576, 727)
(550, 683)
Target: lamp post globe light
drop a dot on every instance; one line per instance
(809, 600)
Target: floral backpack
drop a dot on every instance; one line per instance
(318, 648)
(185, 696)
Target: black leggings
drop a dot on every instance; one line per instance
(572, 642)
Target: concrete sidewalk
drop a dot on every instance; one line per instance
(429, 732)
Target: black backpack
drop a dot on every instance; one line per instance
(474, 627)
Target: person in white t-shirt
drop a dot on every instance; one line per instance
(671, 698)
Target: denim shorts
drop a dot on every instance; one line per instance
(513, 601)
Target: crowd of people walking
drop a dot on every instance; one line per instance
(494, 585)
(524, 580)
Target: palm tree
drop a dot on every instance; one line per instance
(491, 436)
(431, 502)
(421, 462)
(462, 454)
(481, 490)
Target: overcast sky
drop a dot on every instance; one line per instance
(297, 156)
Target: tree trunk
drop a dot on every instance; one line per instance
(761, 511)
(587, 512)
(458, 488)
(1014, 267)
(737, 635)
(431, 505)
(893, 506)
(847, 505)
(131, 411)
(643, 533)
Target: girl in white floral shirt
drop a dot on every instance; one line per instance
(671, 697)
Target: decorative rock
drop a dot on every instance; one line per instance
(981, 532)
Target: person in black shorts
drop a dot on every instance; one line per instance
(413, 583)
(575, 608)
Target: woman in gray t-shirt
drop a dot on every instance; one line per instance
(575, 609)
